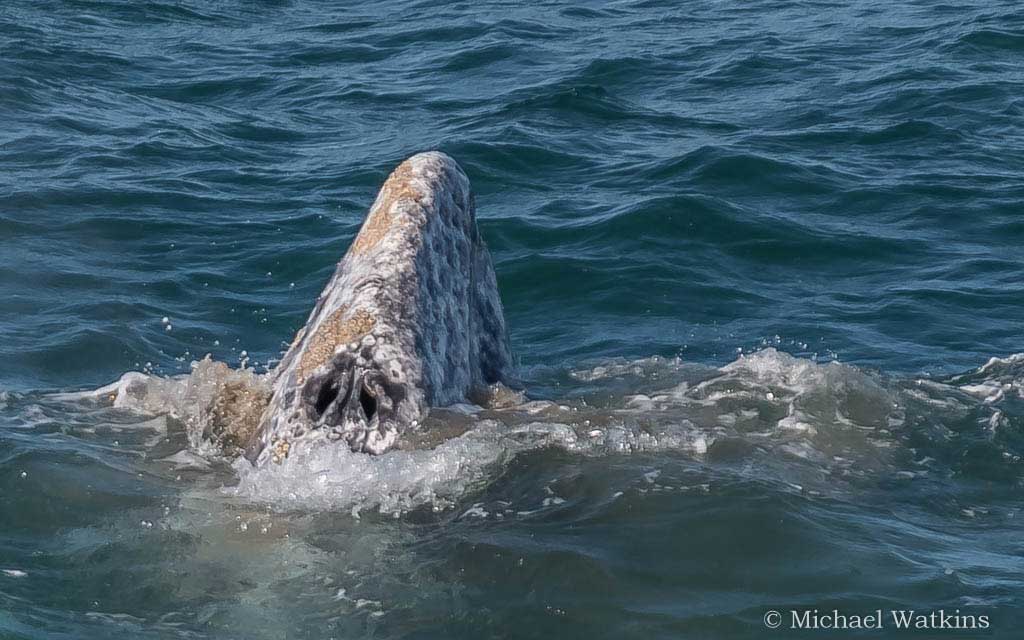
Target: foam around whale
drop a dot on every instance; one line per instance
(825, 428)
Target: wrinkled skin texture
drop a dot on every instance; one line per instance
(410, 319)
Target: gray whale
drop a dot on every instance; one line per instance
(410, 319)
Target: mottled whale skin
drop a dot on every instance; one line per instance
(410, 319)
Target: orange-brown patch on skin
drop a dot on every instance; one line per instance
(335, 330)
(396, 189)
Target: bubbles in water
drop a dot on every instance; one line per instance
(827, 422)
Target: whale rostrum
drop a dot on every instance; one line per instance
(410, 319)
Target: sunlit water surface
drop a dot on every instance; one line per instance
(761, 263)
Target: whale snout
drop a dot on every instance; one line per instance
(347, 400)
(354, 401)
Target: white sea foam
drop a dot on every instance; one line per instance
(792, 402)
(996, 380)
(823, 414)
(652, 366)
(333, 476)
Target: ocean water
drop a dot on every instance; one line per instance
(761, 262)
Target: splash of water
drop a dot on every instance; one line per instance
(823, 425)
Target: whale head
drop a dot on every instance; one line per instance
(410, 319)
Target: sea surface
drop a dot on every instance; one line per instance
(762, 264)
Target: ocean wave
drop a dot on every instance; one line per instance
(992, 40)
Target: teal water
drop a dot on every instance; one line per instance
(765, 251)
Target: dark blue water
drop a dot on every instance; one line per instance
(835, 181)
